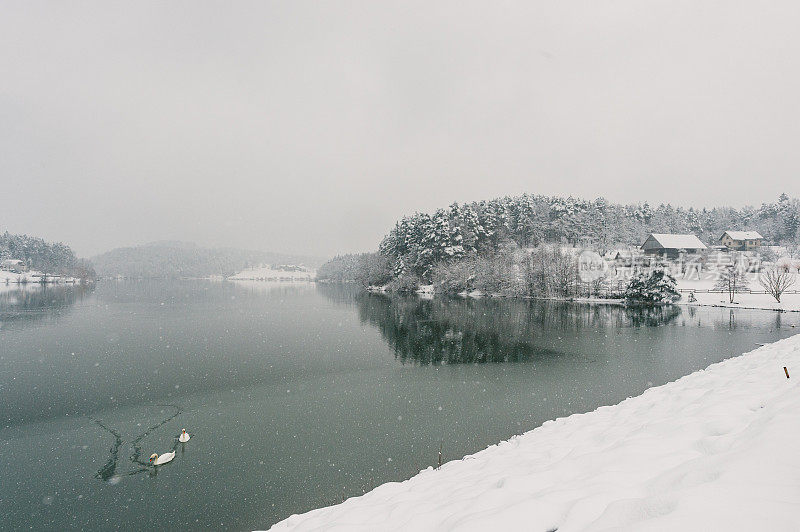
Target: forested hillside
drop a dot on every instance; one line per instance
(362, 268)
(184, 259)
(421, 242)
(52, 258)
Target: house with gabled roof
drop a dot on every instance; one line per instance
(672, 245)
(741, 240)
(13, 265)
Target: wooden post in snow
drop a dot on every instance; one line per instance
(786, 371)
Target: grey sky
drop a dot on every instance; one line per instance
(311, 127)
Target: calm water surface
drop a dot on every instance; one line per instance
(297, 396)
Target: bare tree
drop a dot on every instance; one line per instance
(597, 286)
(775, 281)
(565, 272)
(732, 280)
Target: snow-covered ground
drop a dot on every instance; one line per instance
(789, 302)
(277, 273)
(715, 450)
(32, 276)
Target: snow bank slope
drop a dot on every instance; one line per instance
(715, 450)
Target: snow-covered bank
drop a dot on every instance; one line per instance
(715, 450)
(790, 302)
(34, 277)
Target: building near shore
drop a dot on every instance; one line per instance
(672, 245)
(624, 258)
(741, 240)
(13, 265)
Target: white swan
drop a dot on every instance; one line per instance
(163, 459)
(183, 438)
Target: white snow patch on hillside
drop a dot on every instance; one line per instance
(715, 450)
(274, 273)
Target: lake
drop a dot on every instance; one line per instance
(299, 395)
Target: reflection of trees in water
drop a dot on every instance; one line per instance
(437, 330)
(452, 331)
(646, 316)
(343, 294)
(38, 301)
(735, 319)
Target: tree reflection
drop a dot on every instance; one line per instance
(438, 331)
(457, 331)
(21, 303)
(648, 316)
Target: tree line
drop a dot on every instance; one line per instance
(37, 254)
(477, 243)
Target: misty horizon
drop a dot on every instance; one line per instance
(311, 129)
(190, 244)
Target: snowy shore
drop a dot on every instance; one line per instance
(715, 450)
(790, 302)
(34, 277)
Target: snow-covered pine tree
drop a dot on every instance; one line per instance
(656, 287)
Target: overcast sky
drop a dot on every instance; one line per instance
(310, 127)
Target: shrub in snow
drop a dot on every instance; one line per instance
(455, 277)
(405, 283)
(655, 287)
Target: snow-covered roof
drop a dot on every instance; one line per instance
(670, 241)
(743, 235)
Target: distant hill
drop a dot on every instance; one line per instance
(170, 244)
(172, 259)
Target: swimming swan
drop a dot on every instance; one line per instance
(183, 438)
(163, 459)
